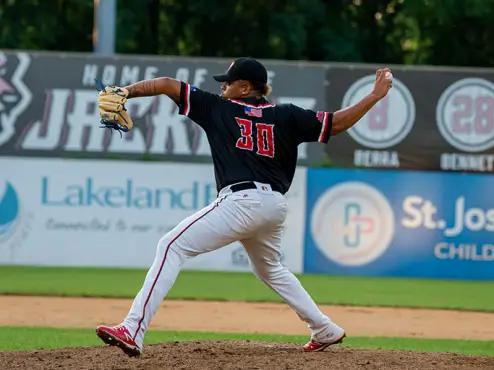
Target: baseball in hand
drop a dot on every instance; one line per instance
(389, 75)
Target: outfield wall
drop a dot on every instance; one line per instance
(64, 212)
(434, 118)
(396, 223)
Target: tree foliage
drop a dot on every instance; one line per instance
(437, 32)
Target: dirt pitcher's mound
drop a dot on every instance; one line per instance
(238, 355)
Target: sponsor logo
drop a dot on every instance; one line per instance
(9, 210)
(389, 121)
(422, 213)
(465, 114)
(467, 223)
(464, 251)
(127, 194)
(15, 96)
(15, 222)
(352, 224)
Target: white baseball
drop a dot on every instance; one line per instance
(389, 75)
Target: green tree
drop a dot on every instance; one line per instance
(445, 32)
(452, 32)
(46, 24)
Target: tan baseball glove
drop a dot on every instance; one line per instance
(111, 104)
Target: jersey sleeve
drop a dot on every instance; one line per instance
(197, 104)
(312, 126)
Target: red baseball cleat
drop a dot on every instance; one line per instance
(332, 334)
(119, 336)
(314, 346)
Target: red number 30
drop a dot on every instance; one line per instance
(265, 137)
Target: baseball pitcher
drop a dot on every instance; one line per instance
(254, 146)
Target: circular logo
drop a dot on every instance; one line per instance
(9, 209)
(465, 114)
(389, 121)
(352, 224)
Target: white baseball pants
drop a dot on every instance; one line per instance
(255, 217)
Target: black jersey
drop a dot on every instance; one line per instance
(252, 139)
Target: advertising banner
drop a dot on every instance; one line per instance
(48, 104)
(61, 212)
(432, 119)
(406, 224)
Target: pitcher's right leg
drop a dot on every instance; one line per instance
(264, 256)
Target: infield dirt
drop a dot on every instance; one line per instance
(238, 355)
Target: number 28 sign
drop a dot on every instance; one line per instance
(465, 114)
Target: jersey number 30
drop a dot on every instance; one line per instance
(265, 137)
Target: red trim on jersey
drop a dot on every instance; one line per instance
(161, 268)
(324, 128)
(187, 100)
(267, 105)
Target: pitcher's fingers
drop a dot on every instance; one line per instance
(380, 75)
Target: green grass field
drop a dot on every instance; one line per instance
(358, 291)
(124, 283)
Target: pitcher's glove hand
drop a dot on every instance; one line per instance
(111, 104)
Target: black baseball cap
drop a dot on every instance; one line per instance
(247, 69)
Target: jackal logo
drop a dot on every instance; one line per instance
(15, 96)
